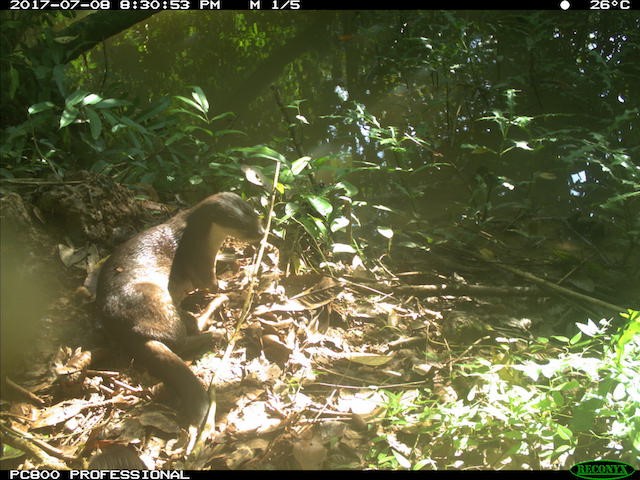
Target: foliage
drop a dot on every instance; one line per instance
(168, 144)
(548, 404)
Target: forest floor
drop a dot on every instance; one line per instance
(306, 374)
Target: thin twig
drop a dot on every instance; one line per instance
(23, 391)
(208, 428)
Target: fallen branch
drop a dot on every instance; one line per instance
(23, 391)
(51, 457)
(563, 290)
(465, 290)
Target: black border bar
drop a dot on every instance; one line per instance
(306, 5)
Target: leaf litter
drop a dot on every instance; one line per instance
(306, 386)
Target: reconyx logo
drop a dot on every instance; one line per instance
(602, 470)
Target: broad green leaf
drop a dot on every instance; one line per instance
(314, 226)
(385, 232)
(523, 145)
(342, 248)
(59, 78)
(290, 209)
(40, 107)
(68, 116)
(339, 223)
(262, 152)
(111, 103)
(522, 121)
(350, 189)
(91, 99)
(300, 164)
(199, 96)
(95, 124)
(190, 102)
(320, 204)
(14, 82)
(75, 98)
(563, 432)
(402, 460)
(157, 108)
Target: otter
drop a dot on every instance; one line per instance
(142, 283)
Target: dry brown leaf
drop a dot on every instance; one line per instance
(369, 359)
(159, 420)
(60, 413)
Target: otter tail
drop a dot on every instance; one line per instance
(163, 363)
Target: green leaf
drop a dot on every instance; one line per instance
(290, 209)
(320, 204)
(350, 189)
(91, 99)
(224, 115)
(95, 124)
(523, 145)
(522, 121)
(564, 433)
(14, 82)
(261, 151)
(199, 96)
(59, 78)
(75, 98)
(10, 453)
(314, 226)
(382, 207)
(40, 107)
(157, 108)
(300, 164)
(339, 223)
(477, 148)
(575, 339)
(190, 102)
(68, 116)
(111, 103)
(385, 232)
(221, 133)
(342, 248)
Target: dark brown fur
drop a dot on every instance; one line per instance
(142, 283)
